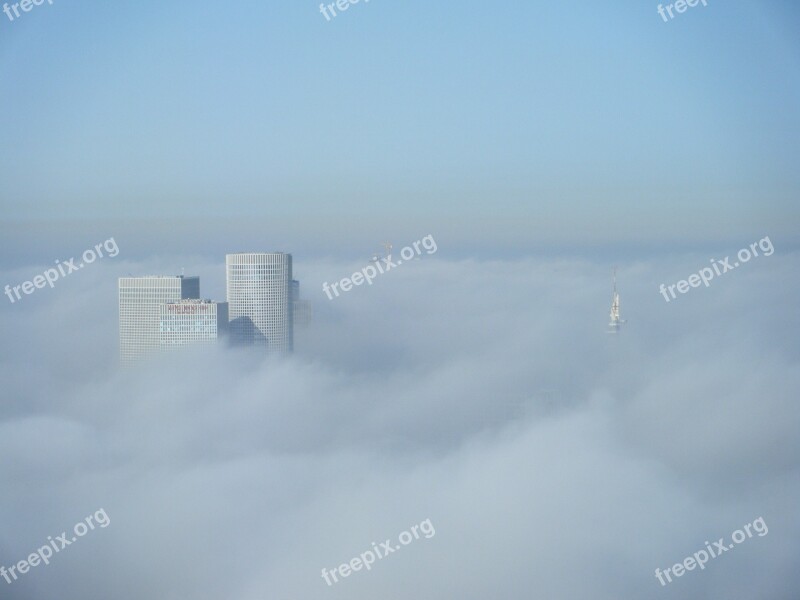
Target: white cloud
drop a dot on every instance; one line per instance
(552, 458)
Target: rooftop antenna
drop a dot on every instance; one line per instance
(613, 325)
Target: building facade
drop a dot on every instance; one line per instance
(140, 301)
(259, 294)
(192, 322)
(302, 312)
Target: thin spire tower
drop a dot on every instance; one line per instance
(613, 325)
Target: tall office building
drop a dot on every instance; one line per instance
(192, 322)
(140, 299)
(260, 299)
(302, 312)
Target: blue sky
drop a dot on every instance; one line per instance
(588, 118)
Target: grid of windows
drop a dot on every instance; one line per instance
(302, 311)
(140, 299)
(192, 322)
(259, 294)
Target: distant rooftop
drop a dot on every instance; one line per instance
(274, 252)
(160, 277)
(195, 301)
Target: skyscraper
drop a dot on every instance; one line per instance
(192, 322)
(140, 299)
(259, 293)
(302, 312)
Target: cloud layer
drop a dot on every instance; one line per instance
(551, 458)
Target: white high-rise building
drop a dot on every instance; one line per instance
(260, 299)
(140, 299)
(192, 322)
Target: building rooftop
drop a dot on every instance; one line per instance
(160, 277)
